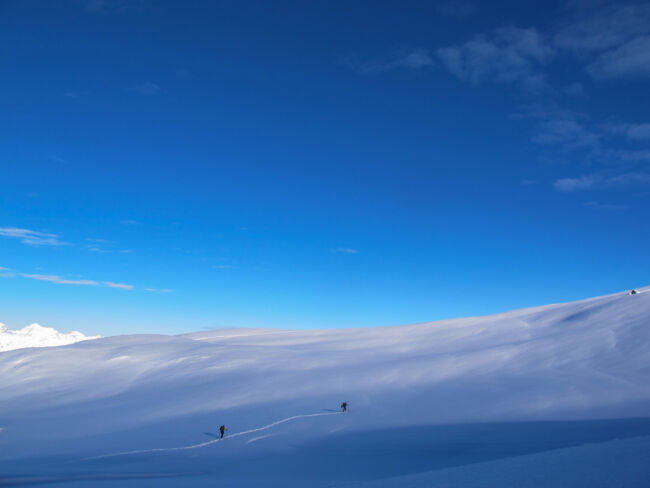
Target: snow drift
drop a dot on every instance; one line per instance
(426, 401)
(36, 335)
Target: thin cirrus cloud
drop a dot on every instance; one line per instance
(609, 41)
(32, 237)
(6, 272)
(65, 281)
(98, 241)
(58, 279)
(612, 41)
(633, 132)
(37, 238)
(507, 55)
(605, 206)
(98, 249)
(597, 30)
(587, 182)
(638, 132)
(346, 250)
(616, 37)
(156, 290)
(121, 286)
(147, 88)
(565, 129)
(629, 61)
(412, 59)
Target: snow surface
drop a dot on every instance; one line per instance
(36, 335)
(548, 396)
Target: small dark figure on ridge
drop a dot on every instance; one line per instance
(344, 407)
(222, 429)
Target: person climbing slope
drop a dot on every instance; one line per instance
(222, 429)
(344, 407)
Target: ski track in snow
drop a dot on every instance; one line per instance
(207, 443)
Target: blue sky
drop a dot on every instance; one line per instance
(173, 166)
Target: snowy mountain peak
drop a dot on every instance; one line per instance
(35, 335)
(36, 329)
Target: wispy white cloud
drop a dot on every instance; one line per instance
(32, 237)
(156, 290)
(594, 30)
(346, 250)
(98, 249)
(587, 182)
(121, 286)
(509, 55)
(416, 59)
(629, 61)
(561, 127)
(618, 36)
(58, 160)
(147, 88)
(98, 241)
(413, 59)
(6, 272)
(639, 132)
(630, 154)
(605, 206)
(567, 131)
(607, 39)
(634, 132)
(628, 179)
(58, 279)
(574, 184)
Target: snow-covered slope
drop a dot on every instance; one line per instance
(423, 398)
(36, 335)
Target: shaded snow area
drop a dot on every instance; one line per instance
(36, 335)
(553, 396)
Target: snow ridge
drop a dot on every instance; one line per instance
(35, 335)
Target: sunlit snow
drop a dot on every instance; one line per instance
(36, 335)
(557, 395)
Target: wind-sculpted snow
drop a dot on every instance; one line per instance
(422, 397)
(36, 335)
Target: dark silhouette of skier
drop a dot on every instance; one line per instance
(344, 407)
(222, 429)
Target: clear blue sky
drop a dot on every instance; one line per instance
(173, 166)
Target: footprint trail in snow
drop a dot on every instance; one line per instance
(207, 443)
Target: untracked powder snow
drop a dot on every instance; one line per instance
(550, 396)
